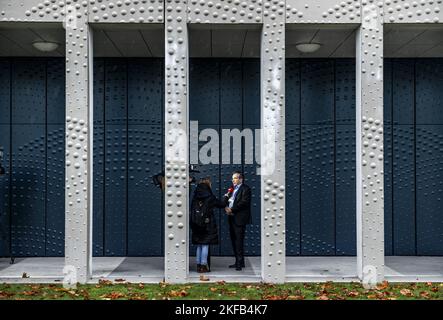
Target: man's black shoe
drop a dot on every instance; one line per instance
(238, 268)
(235, 265)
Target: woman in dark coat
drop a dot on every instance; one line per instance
(203, 223)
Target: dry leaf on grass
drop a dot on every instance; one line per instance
(406, 292)
(204, 278)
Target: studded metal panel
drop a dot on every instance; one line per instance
(29, 94)
(115, 189)
(126, 11)
(99, 199)
(55, 160)
(5, 112)
(251, 92)
(5, 91)
(317, 157)
(231, 92)
(225, 11)
(403, 11)
(331, 11)
(387, 148)
(128, 96)
(317, 182)
(98, 157)
(403, 143)
(176, 142)
(429, 155)
(78, 193)
(55, 178)
(33, 10)
(272, 109)
(28, 189)
(345, 237)
(4, 185)
(204, 81)
(144, 199)
(328, 229)
(292, 148)
(115, 158)
(369, 59)
(28, 158)
(145, 157)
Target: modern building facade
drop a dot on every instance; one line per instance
(350, 149)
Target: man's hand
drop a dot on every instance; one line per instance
(228, 211)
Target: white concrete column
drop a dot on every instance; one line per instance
(273, 142)
(176, 142)
(79, 111)
(369, 133)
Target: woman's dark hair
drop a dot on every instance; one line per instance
(205, 180)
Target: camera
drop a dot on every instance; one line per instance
(159, 178)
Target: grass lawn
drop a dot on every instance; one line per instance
(106, 290)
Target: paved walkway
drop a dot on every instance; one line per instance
(150, 269)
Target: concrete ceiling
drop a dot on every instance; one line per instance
(222, 41)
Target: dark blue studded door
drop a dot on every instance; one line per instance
(224, 94)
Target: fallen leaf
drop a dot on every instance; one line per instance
(221, 283)
(383, 285)
(25, 275)
(296, 297)
(113, 295)
(204, 278)
(353, 294)
(119, 280)
(181, 293)
(323, 297)
(273, 297)
(5, 294)
(213, 289)
(406, 292)
(105, 282)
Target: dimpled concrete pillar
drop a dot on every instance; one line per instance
(78, 187)
(369, 133)
(176, 142)
(273, 141)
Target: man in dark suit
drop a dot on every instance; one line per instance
(238, 209)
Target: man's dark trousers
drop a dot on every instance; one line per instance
(237, 234)
(241, 216)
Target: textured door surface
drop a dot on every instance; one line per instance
(224, 94)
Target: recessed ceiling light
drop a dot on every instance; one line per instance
(45, 46)
(308, 47)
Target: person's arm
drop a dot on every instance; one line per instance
(244, 202)
(220, 203)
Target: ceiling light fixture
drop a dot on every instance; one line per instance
(308, 47)
(45, 46)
